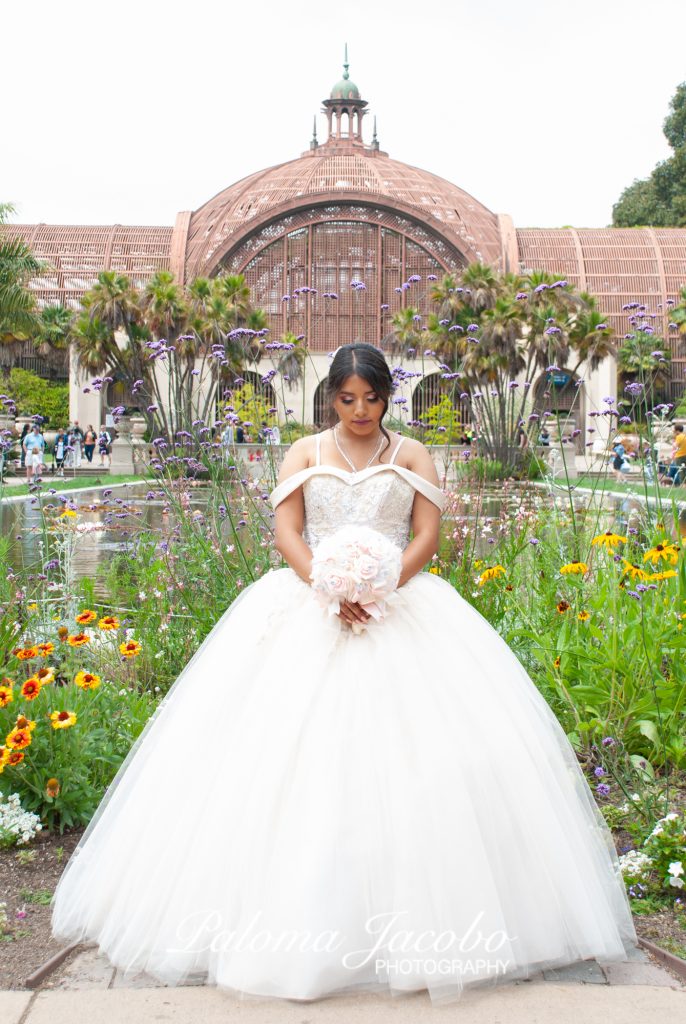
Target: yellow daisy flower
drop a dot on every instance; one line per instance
(130, 648)
(62, 719)
(666, 574)
(491, 574)
(25, 723)
(86, 616)
(635, 572)
(87, 680)
(6, 695)
(583, 616)
(665, 549)
(67, 514)
(574, 567)
(557, 661)
(609, 541)
(45, 649)
(45, 675)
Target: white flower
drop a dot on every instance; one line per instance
(635, 864)
(678, 883)
(142, 596)
(676, 868)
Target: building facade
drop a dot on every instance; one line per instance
(326, 241)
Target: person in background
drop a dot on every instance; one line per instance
(679, 454)
(544, 437)
(89, 442)
(34, 446)
(24, 431)
(76, 442)
(104, 445)
(60, 451)
(275, 434)
(619, 462)
(240, 434)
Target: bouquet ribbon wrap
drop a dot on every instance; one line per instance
(356, 563)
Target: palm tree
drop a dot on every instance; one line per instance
(18, 314)
(54, 334)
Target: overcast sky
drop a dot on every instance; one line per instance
(129, 112)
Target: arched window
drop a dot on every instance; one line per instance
(431, 390)
(557, 393)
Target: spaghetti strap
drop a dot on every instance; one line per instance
(396, 450)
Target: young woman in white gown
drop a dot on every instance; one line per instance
(313, 810)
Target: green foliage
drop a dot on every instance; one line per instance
(34, 396)
(443, 423)
(250, 407)
(660, 200)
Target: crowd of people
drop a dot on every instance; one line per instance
(69, 449)
(670, 474)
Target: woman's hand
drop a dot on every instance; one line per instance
(351, 611)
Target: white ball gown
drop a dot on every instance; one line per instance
(310, 811)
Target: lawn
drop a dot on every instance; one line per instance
(65, 484)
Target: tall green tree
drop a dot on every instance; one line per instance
(660, 200)
(18, 313)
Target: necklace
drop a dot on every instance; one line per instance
(355, 471)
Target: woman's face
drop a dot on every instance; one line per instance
(358, 406)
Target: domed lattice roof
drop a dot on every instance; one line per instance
(330, 174)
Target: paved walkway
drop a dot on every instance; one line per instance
(87, 986)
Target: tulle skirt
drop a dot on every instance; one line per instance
(310, 812)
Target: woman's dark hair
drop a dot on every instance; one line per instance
(367, 362)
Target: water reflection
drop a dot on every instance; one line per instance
(21, 520)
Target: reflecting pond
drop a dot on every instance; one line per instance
(131, 507)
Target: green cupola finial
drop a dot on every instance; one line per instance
(346, 74)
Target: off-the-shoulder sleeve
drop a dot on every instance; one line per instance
(287, 486)
(425, 487)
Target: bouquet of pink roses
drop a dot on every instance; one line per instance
(356, 563)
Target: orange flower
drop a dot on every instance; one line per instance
(583, 616)
(45, 649)
(556, 663)
(26, 653)
(15, 757)
(78, 640)
(25, 723)
(86, 616)
(62, 632)
(6, 696)
(52, 788)
(108, 622)
(130, 649)
(30, 688)
(18, 738)
(45, 675)
(87, 680)
(562, 606)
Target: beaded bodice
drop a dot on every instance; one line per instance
(379, 496)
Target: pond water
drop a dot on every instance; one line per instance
(21, 521)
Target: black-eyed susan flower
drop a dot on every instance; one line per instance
(45, 649)
(87, 680)
(666, 574)
(108, 622)
(30, 688)
(45, 675)
(17, 739)
(563, 606)
(491, 574)
(663, 550)
(609, 541)
(68, 513)
(634, 572)
(62, 719)
(583, 616)
(557, 661)
(574, 567)
(78, 639)
(86, 616)
(6, 695)
(26, 653)
(130, 648)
